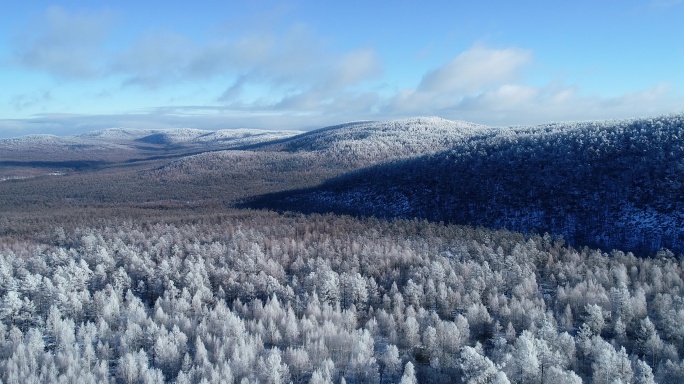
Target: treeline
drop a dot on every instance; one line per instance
(260, 297)
(614, 184)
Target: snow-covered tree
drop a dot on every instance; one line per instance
(409, 376)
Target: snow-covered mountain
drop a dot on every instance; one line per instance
(365, 143)
(243, 137)
(613, 184)
(359, 143)
(189, 136)
(117, 134)
(33, 148)
(43, 142)
(120, 144)
(143, 267)
(225, 137)
(316, 155)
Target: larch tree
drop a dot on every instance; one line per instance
(409, 376)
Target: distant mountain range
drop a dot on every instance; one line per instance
(120, 144)
(608, 184)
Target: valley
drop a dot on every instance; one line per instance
(415, 249)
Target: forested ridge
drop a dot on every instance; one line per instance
(366, 143)
(610, 184)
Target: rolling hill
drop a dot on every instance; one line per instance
(145, 254)
(364, 143)
(310, 158)
(610, 184)
(123, 144)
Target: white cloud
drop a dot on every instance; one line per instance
(71, 45)
(468, 80)
(296, 78)
(505, 105)
(475, 69)
(64, 44)
(487, 86)
(355, 67)
(154, 59)
(233, 93)
(221, 55)
(505, 97)
(295, 60)
(514, 104)
(330, 88)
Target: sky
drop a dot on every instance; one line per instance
(68, 67)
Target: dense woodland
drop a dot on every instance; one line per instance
(144, 269)
(611, 184)
(278, 298)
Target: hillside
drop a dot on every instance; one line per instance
(227, 138)
(307, 159)
(144, 266)
(187, 136)
(612, 184)
(365, 143)
(121, 144)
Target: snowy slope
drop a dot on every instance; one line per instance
(366, 143)
(117, 134)
(242, 137)
(118, 144)
(613, 184)
(41, 147)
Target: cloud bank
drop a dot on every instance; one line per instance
(64, 44)
(290, 79)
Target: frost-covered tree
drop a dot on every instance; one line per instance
(409, 376)
(271, 369)
(390, 362)
(478, 369)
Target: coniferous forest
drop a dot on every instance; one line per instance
(418, 250)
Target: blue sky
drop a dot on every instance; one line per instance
(74, 66)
